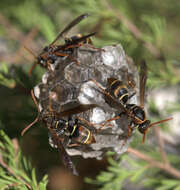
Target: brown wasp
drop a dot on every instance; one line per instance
(64, 130)
(118, 95)
(52, 52)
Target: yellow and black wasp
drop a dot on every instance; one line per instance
(118, 95)
(64, 133)
(53, 51)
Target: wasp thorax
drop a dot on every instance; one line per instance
(72, 39)
(137, 111)
(144, 126)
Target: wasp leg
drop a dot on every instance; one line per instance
(112, 119)
(49, 67)
(74, 145)
(73, 46)
(130, 83)
(107, 121)
(91, 46)
(102, 89)
(70, 57)
(93, 124)
(130, 130)
(85, 45)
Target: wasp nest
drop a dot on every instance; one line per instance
(69, 85)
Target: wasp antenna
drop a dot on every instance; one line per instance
(158, 122)
(32, 68)
(37, 118)
(35, 57)
(30, 51)
(30, 125)
(153, 124)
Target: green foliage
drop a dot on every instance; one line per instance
(158, 22)
(15, 75)
(129, 170)
(163, 184)
(16, 171)
(3, 79)
(117, 174)
(156, 26)
(48, 17)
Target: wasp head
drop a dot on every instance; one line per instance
(144, 126)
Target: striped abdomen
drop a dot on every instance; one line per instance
(118, 90)
(82, 135)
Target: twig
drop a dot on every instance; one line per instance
(161, 145)
(166, 167)
(15, 34)
(135, 31)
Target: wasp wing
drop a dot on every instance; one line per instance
(75, 108)
(65, 157)
(69, 26)
(142, 82)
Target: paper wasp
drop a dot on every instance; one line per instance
(79, 132)
(76, 132)
(52, 52)
(62, 130)
(118, 95)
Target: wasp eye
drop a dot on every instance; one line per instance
(46, 48)
(144, 126)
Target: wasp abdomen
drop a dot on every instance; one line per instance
(119, 91)
(81, 134)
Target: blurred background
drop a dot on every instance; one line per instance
(147, 30)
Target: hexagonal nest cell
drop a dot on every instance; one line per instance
(70, 86)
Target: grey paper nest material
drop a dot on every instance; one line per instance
(70, 86)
